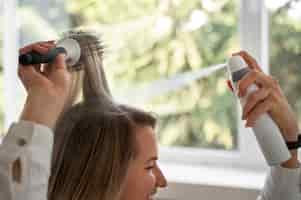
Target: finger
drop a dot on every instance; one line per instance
(35, 47)
(59, 62)
(252, 63)
(47, 69)
(29, 76)
(41, 48)
(48, 45)
(247, 81)
(229, 84)
(38, 68)
(58, 73)
(260, 109)
(51, 41)
(272, 82)
(253, 100)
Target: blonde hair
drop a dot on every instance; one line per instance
(94, 139)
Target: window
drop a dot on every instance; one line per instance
(167, 39)
(48, 25)
(165, 46)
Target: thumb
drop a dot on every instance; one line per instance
(59, 74)
(59, 62)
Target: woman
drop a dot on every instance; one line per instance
(96, 140)
(25, 151)
(108, 151)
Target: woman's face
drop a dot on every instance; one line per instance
(144, 175)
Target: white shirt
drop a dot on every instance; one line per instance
(29, 145)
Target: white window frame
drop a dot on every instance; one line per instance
(12, 85)
(254, 34)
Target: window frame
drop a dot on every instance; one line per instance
(12, 84)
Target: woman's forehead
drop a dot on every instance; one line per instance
(146, 142)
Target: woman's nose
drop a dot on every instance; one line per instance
(160, 179)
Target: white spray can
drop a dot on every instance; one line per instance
(267, 133)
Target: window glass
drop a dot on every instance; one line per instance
(150, 40)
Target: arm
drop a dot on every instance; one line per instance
(26, 150)
(282, 182)
(25, 161)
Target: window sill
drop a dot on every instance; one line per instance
(193, 182)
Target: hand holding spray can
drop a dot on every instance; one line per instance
(266, 131)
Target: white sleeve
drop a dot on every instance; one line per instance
(282, 184)
(25, 156)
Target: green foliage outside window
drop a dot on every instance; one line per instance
(148, 40)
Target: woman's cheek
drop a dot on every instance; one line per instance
(151, 180)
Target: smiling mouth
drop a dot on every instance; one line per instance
(152, 196)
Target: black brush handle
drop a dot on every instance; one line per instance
(33, 57)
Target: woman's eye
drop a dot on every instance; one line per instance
(149, 167)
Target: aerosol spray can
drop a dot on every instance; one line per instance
(266, 131)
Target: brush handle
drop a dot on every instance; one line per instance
(33, 57)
